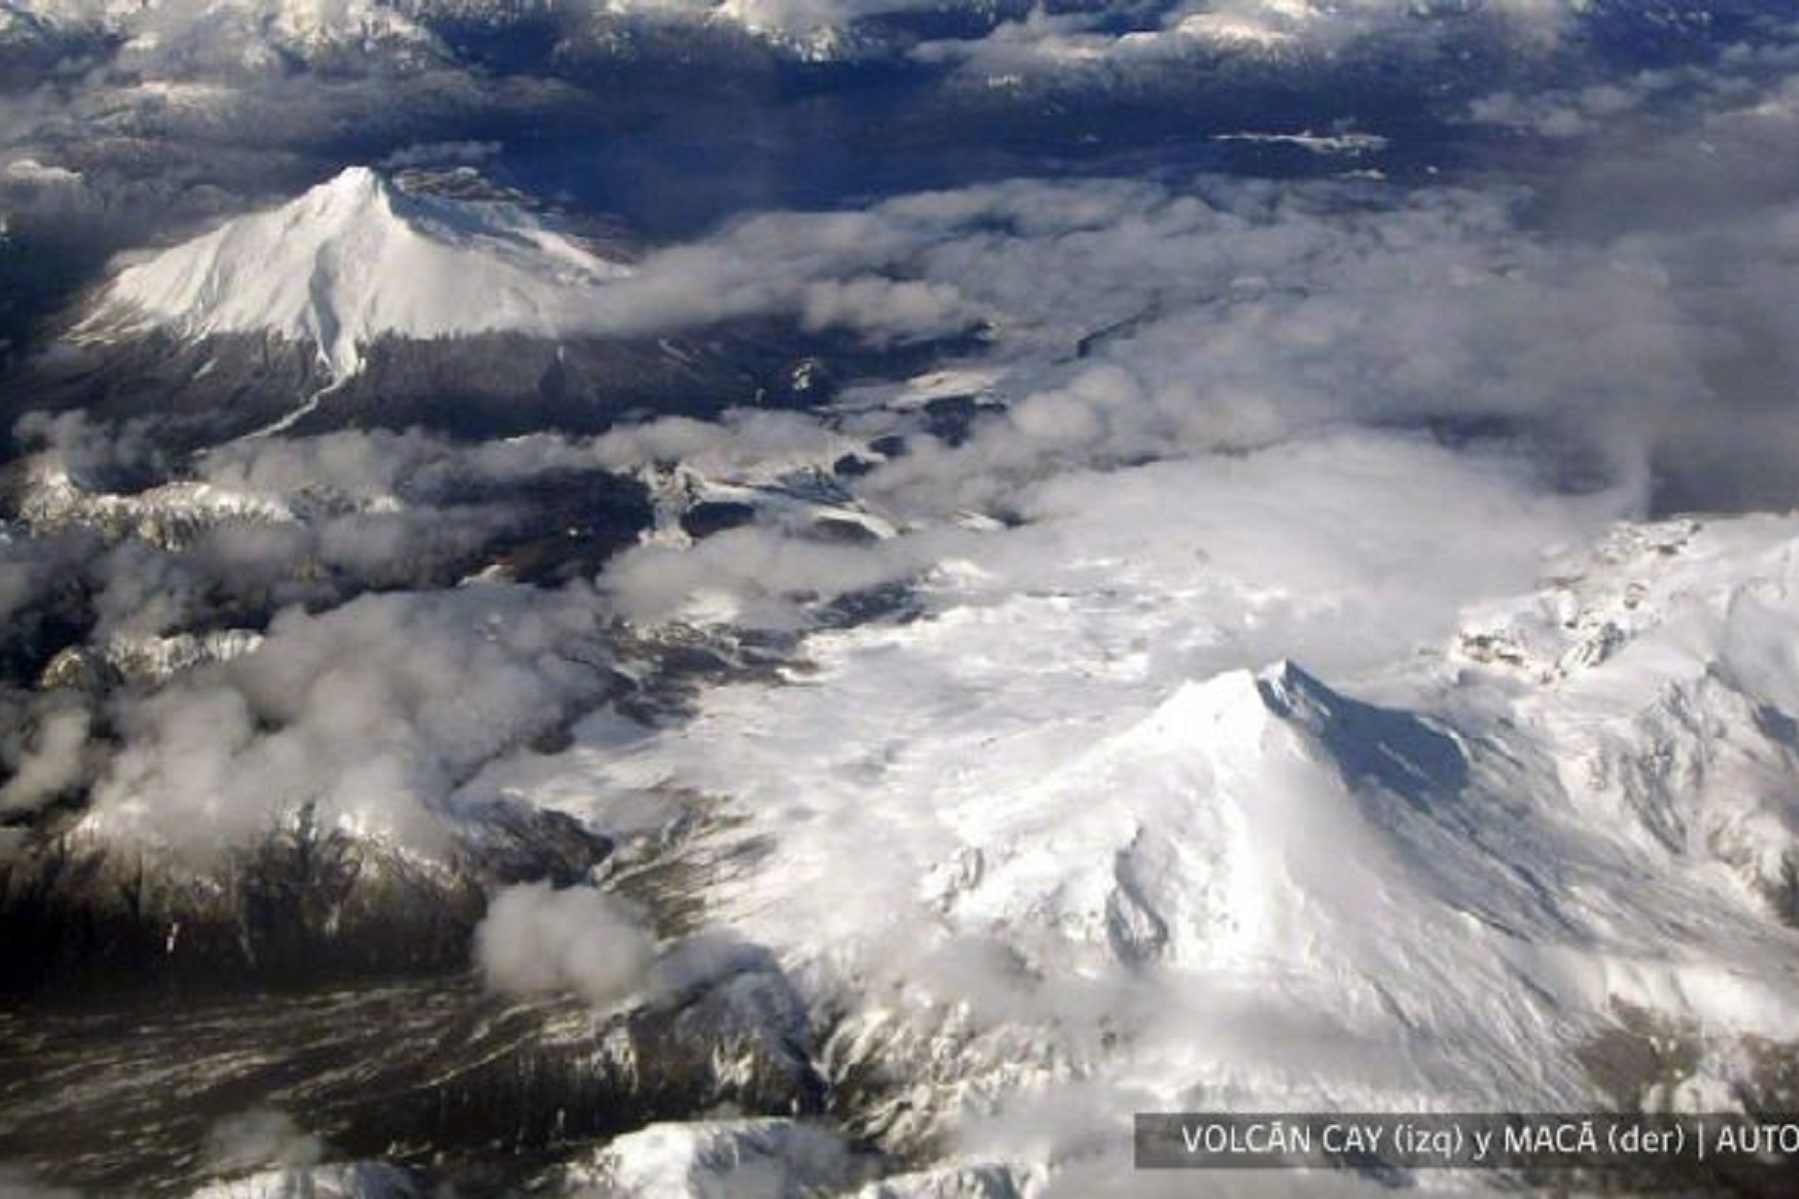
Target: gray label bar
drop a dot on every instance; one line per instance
(1497, 1141)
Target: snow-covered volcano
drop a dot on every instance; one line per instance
(1118, 871)
(355, 260)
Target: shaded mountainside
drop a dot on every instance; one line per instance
(308, 904)
(197, 394)
(432, 1075)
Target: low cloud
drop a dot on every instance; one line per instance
(538, 940)
(259, 1139)
(1238, 315)
(137, 549)
(372, 713)
(1152, 44)
(95, 453)
(432, 154)
(46, 754)
(754, 576)
(1231, 317)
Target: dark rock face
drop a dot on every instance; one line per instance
(192, 394)
(195, 393)
(432, 1074)
(951, 419)
(496, 385)
(735, 1025)
(715, 516)
(308, 904)
(842, 532)
(531, 1078)
(565, 525)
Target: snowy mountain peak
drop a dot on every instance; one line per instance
(350, 190)
(355, 260)
(1281, 690)
(1227, 710)
(1240, 716)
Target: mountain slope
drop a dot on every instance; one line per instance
(355, 260)
(1114, 865)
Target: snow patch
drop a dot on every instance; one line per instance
(719, 1159)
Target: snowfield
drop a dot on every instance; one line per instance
(1076, 843)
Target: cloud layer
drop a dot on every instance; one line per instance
(372, 713)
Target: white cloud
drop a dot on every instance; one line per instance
(261, 1137)
(755, 576)
(1170, 36)
(537, 940)
(52, 760)
(374, 712)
